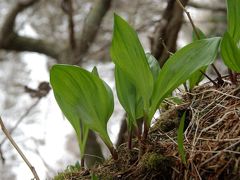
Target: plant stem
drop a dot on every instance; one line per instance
(130, 139)
(220, 81)
(215, 84)
(232, 76)
(82, 162)
(7, 134)
(145, 130)
(113, 152)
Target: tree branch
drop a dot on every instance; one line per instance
(67, 7)
(167, 31)
(10, 40)
(91, 26)
(206, 7)
(22, 43)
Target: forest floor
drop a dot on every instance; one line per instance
(211, 142)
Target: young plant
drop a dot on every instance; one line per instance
(180, 139)
(180, 66)
(128, 55)
(130, 98)
(230, 45)
(130, 60)
(85, 100)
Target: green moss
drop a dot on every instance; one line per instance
(155, 161)
(70, 171)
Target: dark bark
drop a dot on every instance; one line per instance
(166, 32)
(90, 27)
(67, 7)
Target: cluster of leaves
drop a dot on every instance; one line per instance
(87, 101)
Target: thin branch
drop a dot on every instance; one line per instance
(67, 7)
(9, 22)
(189, 17)
(206, 7)
(5, 131)
(215, 84)
(21, 119)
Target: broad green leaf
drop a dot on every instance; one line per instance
(82, 95)
(72, 115)
(180, 139)
(128, 54)
(233, 18)
(230, 52)
(154, 65)
(180, 66)
(230, 46)
(127, 95)
(109, 90)
(197, 77)
(200, 33)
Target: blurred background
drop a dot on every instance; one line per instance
(35, 34)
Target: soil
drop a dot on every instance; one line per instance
(211, 141)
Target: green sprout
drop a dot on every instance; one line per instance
(140, 81)
(85, 100)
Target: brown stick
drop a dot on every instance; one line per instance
(190, 19)
(7, 134)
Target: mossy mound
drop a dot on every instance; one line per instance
(211, 142)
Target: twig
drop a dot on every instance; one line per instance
(214, 83)
(21, 119)
(68, 9)
(166, 49)
(190, 19)
(206, 7)
(9, 137)
(1, 155)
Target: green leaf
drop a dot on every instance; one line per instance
(200, 33)
(197, 77)
(230, 45)
(233, 18)
(180, 139)
(75, 120)
(83, 96)
(128, 55)
(230, 52)
(180, 66)
(154, 65)
(127, 95)
(95, 71)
